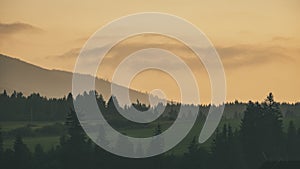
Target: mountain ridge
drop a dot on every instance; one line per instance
(16, 74)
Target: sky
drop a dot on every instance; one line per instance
(257, 41)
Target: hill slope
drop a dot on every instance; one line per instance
(27, 78)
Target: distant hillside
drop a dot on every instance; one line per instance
(27, 78)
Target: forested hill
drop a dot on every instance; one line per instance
(27, 78)
(17, 107)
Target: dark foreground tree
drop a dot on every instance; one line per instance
(157, 144)
(22, 156)
(1, 148)
(196, 157)
(75, 149)
(39, 157)
(292, 142)
(261, 132)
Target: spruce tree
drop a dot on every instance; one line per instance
(271, 126)
(292, 142)
(39, 157)
(75, 150)
(193, 146)
(22, 155)
(261, 132)
(219, 149)
(1, 148)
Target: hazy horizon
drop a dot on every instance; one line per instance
(258, 43)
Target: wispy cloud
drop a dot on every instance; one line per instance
(17, 27)
(70, 54)
(281, 38)
(233, 57)
(249, 54)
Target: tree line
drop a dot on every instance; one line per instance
(259, 139)
(18, 107)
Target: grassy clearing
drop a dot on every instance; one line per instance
(10, 125)
(31, 142)
(51, 141)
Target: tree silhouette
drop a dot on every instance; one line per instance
(157, 144)
(124, 145)
(70, 101)
(261, 132)
(101, 102)
(39, 157)
(220, 148)
(1, 148)
(157, 130)
(75, 150)
(226, 151)
(8, 159)
(196, 157)
(193, 146)
(112, 105)
(272, 139)
(139, 106)
(22, 155)
(251, 135)
(260, 137)
(292, 142)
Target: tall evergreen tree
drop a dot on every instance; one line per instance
(251, 135)
(196, 157)
(101, 102)
(112, 105)
(219, 149)
(292, 142)
(193, 146)
(157, 144)
(158, 130)
(75, 148)
(272, 129)
(8, 159)
(75, 130)
(39, 157)
(22, 155)
(124, 145)
(70, 101)
(261, 132)
(1, 148)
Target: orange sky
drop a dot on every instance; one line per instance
(258, 41)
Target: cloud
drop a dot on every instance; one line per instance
(281, 38)
(74, 53)
(249, 54)
(233, 57)
(71, 54)
(7, 29)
